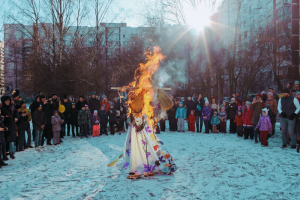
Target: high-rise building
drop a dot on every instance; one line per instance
(2, 88)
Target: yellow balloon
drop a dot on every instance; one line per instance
(61, 108)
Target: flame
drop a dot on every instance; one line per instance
(142, 84)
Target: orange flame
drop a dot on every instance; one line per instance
(142, 84)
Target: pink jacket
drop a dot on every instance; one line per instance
(264, 124)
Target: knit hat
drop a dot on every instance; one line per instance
(104, 96)
(248, 103)
(270, 93)
(180, 103)
(103, 106)
(206, 102)
(95, 112)
(215, 112)
(15, 93)
(22, 102)
(42, 96)
(93, 93)
(18, 106)
(296, 82)
(258, 95)
(239, 107)
(65, 97)
(268, 106)
(111, 104)
(265, 110)
(55, 111)
(40, 105)
(286, 90)
(232, 99)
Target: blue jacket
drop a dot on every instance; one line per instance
(215, 120)
(180, 113)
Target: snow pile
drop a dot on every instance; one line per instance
(211, 166)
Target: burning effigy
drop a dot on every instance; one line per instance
(144, 153)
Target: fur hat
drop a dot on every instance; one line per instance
(258, 95)
(265, 110)
(286, 90)
(18, 106)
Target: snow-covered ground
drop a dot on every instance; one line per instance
(211, 166)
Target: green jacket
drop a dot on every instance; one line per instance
(83, 117)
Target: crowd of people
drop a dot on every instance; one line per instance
(255, 119)
(53, 118)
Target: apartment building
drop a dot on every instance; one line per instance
(2, 88)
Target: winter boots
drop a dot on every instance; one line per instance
(5, 156)
(197, 126)
(11, 155)
(2, 163)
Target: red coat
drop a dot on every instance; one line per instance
(247, 117)
(106, 103)
(191, 119)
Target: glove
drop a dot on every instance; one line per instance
(284, 115)
(292, 116)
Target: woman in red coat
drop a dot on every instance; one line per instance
(247, 117)
(105, 102)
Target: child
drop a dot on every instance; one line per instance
(73, 119)
(83, 121)
(214, 106)
(240, 108)
(56, 122)
(112, 118)
(223, 119)
(206, 113)
(192, 120)
(215, 121)
(22, 127)
(265, 127)
(247, 117)
(180, 117)
(103, 120)
(239, 123)
(89, 130)
(120, 122)
(95, 123)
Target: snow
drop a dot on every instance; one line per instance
(211, 166)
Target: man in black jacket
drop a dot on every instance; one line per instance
(199, 117)
(68, 107)
(47, 107)
(39, 121)
(112, 118)
(171, 117)
(82, 102)
(94, 104)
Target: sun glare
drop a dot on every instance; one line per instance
(198, 18)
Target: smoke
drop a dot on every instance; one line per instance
(171, 73)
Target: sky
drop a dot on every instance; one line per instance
(129, 8)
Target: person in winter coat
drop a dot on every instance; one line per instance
(103, 115)
(190, 105)
(296, 88)
(80, 103)
(117, 104)
(273, 109)
(94, 104)
(288, 108)
(28, 114)
(95, 123)
(33, 107)
(68, 106)
(73, 116)
(22, 127)
(223, 119)
(257, 106)
(90, 128)
(112, 118)
(171, 116)
(275, 96)
(83, 121)
(215, 122)
(48, 111)
(233, 107)
(265, 127)
(192, 120)
(105, 102)
(10, 118)
(2, 141)
(214, 106)
(120, 122)
(56, 122)
(39, 121)
(239, 123)
(199, 118)
(247, 118)
(206, 113)
(238, 98)
(180, 117)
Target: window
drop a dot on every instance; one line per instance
(245, 35)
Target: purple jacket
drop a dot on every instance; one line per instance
(264, 124)
(206, 112)
(94, 119)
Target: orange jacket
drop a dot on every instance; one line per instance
(238, 120)
(106, 103)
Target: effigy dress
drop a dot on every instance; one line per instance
(144, 152)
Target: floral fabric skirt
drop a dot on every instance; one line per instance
(145, 152)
